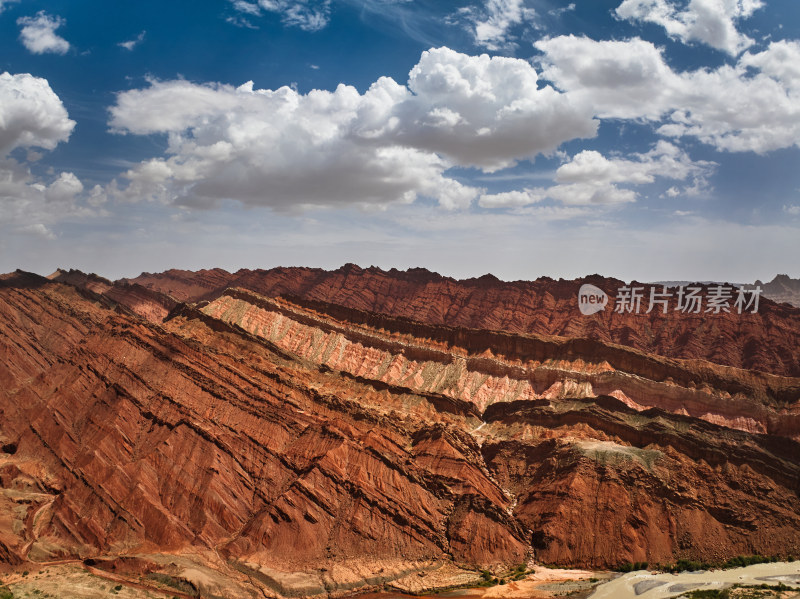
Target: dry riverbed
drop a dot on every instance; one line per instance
(647, 585)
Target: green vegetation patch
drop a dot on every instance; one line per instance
(632, 567)
(740, 561)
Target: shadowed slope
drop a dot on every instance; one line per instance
(766, 341)
(354, 447)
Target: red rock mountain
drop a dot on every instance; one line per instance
(544, 306)
(304, 446)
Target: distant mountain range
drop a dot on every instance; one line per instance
(780, 289)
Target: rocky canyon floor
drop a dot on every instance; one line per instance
(299, 432)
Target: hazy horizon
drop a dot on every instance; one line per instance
(669, 283)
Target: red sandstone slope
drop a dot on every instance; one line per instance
(127, 437)
(311, 438)
(766, 341)
(150, 305)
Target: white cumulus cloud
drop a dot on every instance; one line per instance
(485, 112)
(753, 105)
(31, 114)
(781, 61)
(590, 178)
(664, 160)
(277, 148)
(393, 143)
(28, 203)
(64, 188)
(39, 36)
(711, 22)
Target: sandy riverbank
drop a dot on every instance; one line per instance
(644, 585)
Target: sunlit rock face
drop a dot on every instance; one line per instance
(369, 424)
(544, 306)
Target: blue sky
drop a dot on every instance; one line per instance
(647, 139)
